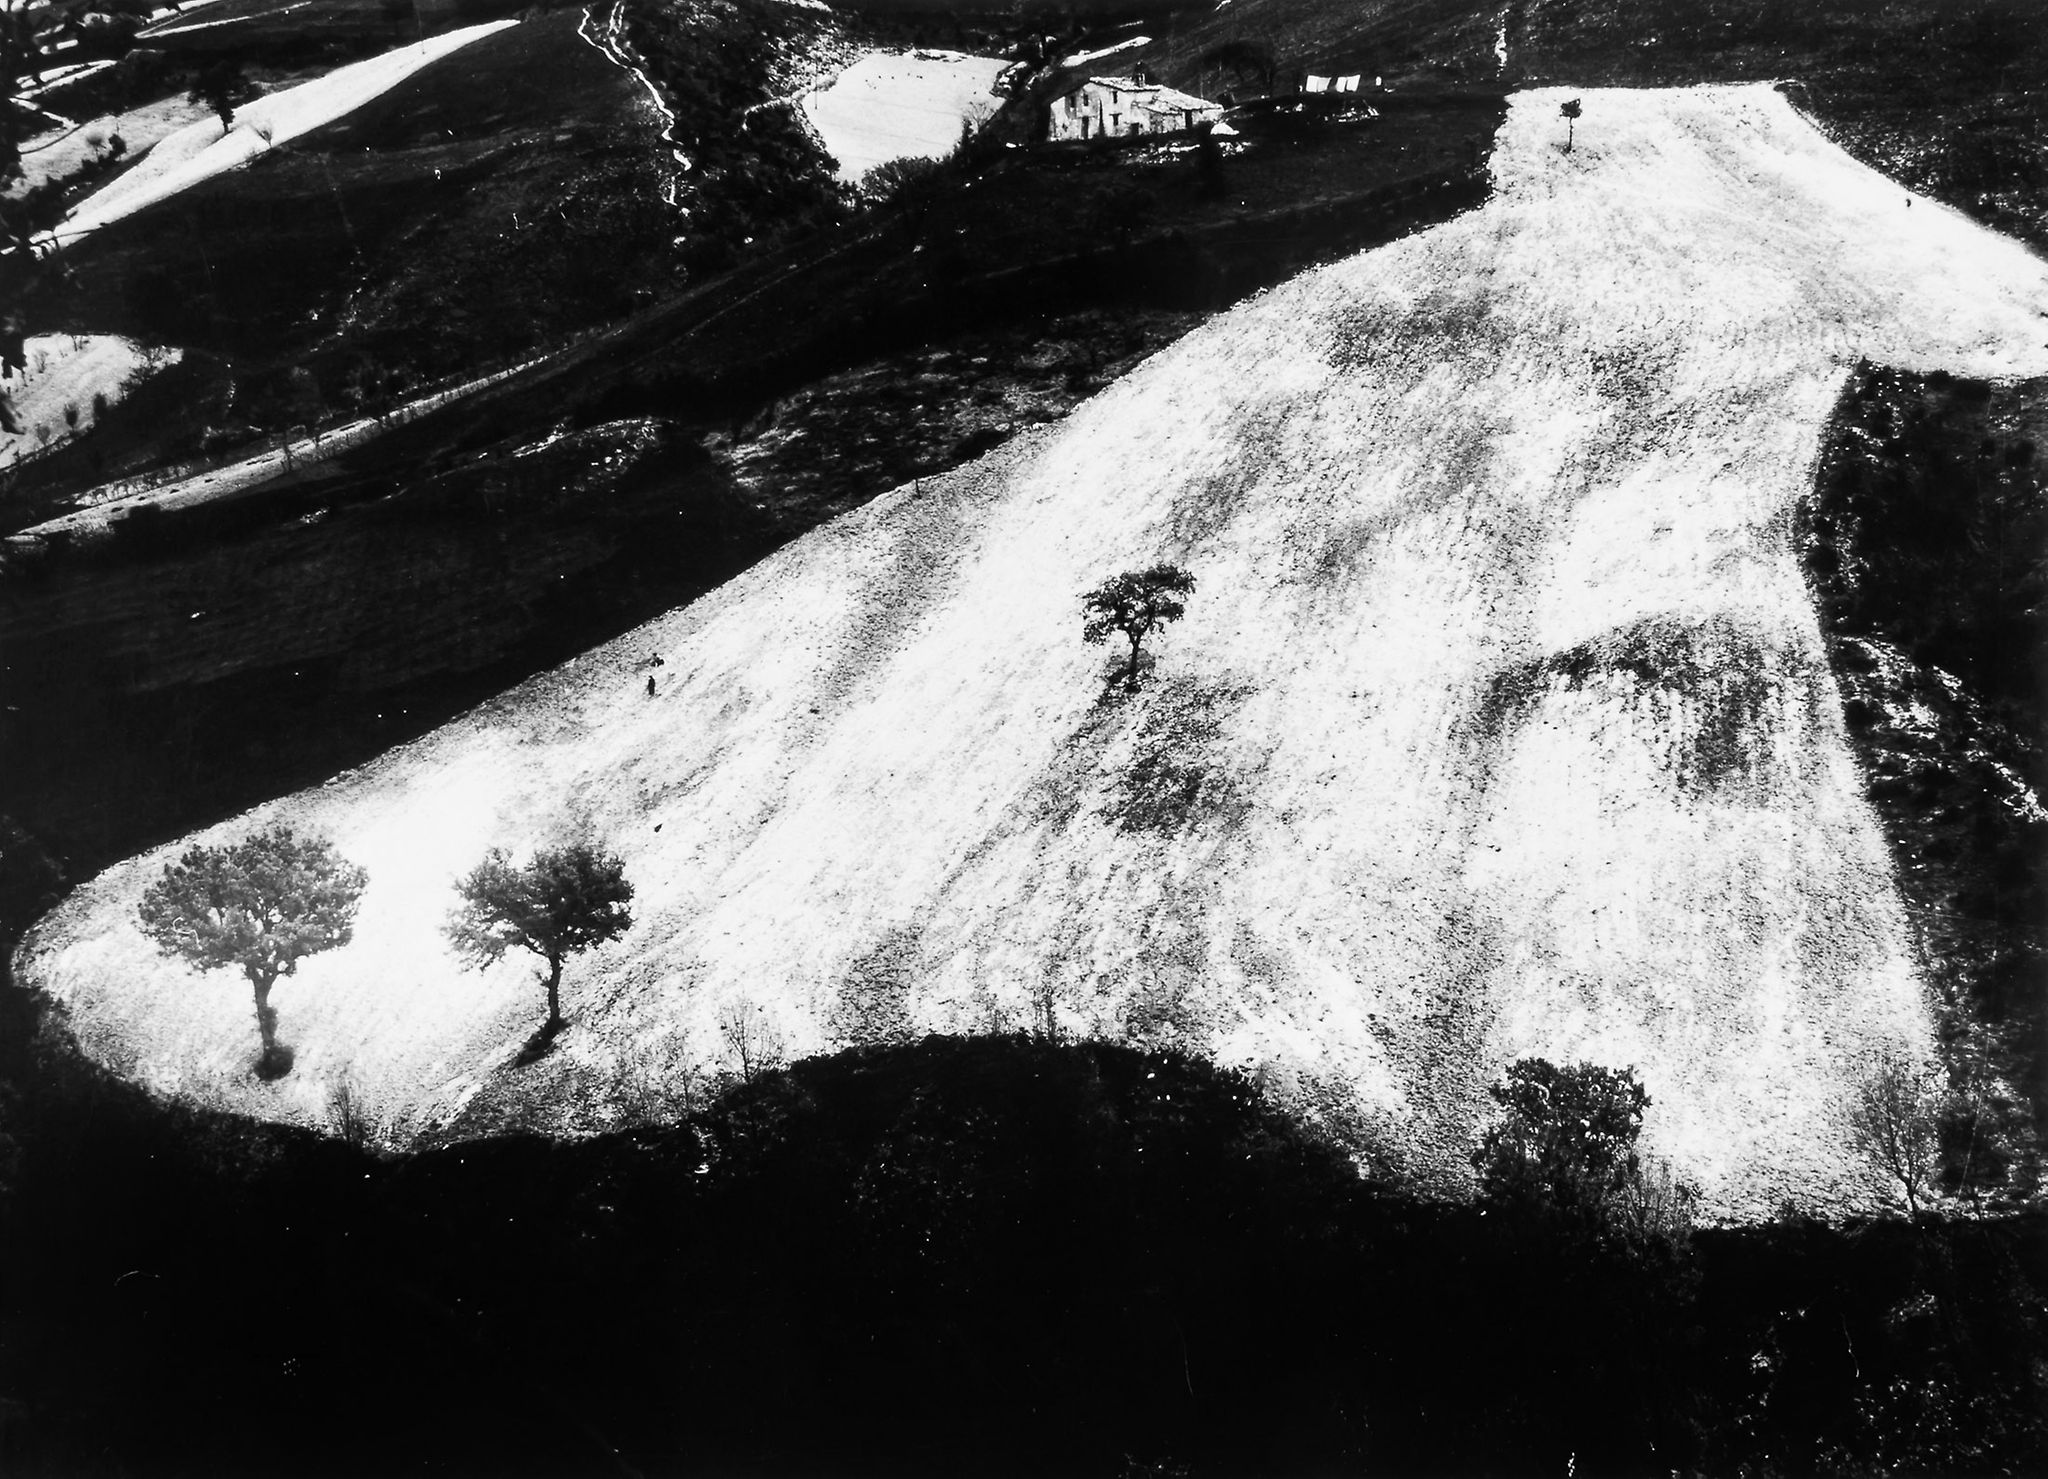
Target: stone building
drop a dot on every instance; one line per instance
(1116, 107)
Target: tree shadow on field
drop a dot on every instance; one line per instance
(1117, 683)
(540, 1044)
(1204, 506)
(1181, 773)
(1444, 1083)
(274, 1062)
(930, 533)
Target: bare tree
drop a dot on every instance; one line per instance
(660, 1081)
(1046, 997)
(1894, 1122)
(348, 1113)
(750, 1037)
(1656, 1203)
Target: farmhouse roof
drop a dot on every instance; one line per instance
(1162, 96)
(1122, 84)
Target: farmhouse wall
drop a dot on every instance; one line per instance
(1117, 107)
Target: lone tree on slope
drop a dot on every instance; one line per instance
(1136, 603)
(563, 902)
(263, 904)
(220, 87)
(1570, 113)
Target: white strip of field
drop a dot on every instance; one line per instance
(1096, 56)
(105, 506)
(907, 105)
(228, 20)
(1500, 722)
(165, 15)
(201, 150)
(57, 77)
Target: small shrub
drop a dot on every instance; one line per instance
(348, 1116)
(903, 182)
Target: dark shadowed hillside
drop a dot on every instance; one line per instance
(1924, 547)
(1002, 1256)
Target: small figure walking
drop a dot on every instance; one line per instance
(650, 686)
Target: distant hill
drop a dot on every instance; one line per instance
(1949, 98)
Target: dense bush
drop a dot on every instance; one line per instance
(1566, 1139)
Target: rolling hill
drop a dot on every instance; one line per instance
(1500, 723)
(1943, 96)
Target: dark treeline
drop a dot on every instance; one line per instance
(995, 1255)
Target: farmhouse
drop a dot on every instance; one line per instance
(1102, 107)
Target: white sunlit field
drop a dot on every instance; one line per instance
(62, 152)
(67, 373)
(908, 105)
(1499, 723)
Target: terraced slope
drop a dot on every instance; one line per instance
(1500, 723)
